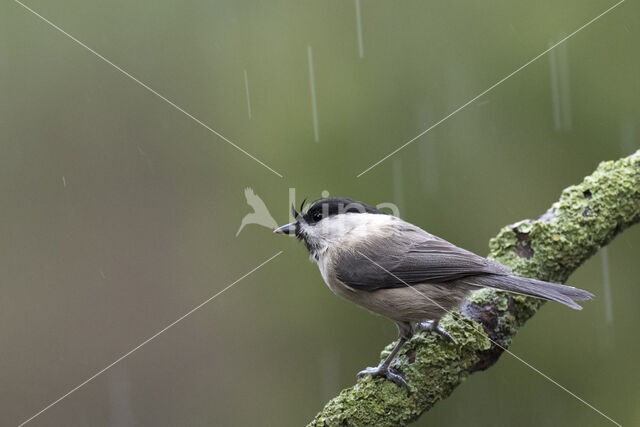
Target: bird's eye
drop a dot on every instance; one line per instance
(316, 216)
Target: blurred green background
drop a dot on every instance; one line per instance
(119, 213)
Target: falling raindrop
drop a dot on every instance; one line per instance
(359, 29)
(64, 182)
(120, 398)
(560, 95)
(606, 285)
(628, 142)
(149, 161)
(427, 155)
(312, 84)
(604, 326)
(330, 370)
(246, 89)
(429, 168)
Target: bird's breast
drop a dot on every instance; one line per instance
(325, 265)
(323, 260)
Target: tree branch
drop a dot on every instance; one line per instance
(587, 216)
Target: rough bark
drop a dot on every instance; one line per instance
(587, 216)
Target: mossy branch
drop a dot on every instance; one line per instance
(587, 216)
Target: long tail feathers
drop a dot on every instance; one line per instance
(563, 294)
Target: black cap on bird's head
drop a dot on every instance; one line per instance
(321, 209)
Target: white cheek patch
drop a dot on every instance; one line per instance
(347, 226)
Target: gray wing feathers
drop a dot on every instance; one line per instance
(400, 263)
(420, 258)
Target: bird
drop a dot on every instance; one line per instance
(400, 271)
(260, 214)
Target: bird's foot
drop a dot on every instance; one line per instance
(434, 326)
(384, 371)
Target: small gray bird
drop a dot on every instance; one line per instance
(398, 270)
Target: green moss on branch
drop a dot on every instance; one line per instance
(587, 216)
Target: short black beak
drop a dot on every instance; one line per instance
(286, 229)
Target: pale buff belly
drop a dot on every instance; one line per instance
(408, 304)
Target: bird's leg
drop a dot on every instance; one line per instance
(382, 370)
(434, 326)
